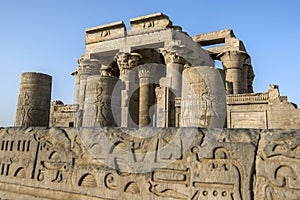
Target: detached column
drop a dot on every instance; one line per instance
(174, 70)
(146, 94)
(233, 61)
(33, 106)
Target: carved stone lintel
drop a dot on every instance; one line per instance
(157, 20)
(105, 32)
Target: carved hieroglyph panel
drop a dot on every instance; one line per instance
(248, 119)
(116, 163)
(278, 166)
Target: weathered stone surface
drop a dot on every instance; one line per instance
(278, 166)
(105, 32)
(203, 96)
(215, 37)
(90, 109)
(95, 163)
(157, 21)
(63, 115)
(105, 115)
(34, 100)
(262, 110)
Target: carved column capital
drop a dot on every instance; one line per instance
(173, 57)
(233, 58)
(127, 61)
(88, 66)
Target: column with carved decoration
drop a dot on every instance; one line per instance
(108, 100)
(33, 106)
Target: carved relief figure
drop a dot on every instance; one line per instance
(26, 110)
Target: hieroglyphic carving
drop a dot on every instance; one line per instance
(55, 162)
(220, 169)
(110, 181)
(168, 193)
(149, 24)
(172, 176)
(132, 187)
(173, 148)
(105, 33)
(87, 180)
(278, 166)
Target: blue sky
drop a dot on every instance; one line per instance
(48, 36)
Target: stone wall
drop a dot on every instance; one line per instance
(266, 110)
(148, 163)
(63, 115)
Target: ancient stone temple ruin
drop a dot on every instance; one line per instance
(157, 75)
(153, 118)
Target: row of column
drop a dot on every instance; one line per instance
(140, 95)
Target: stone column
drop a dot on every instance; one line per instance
(34, 100)
(246, 70)
(129, 103)
(250, 78)
(174, 64)
(108, 108)
(233, 61)
(146, 94)
(203, 101)
(77, 85)
(90, 105)
(87, 67)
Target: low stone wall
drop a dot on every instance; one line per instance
(148, 163)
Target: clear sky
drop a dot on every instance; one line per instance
(48, 36)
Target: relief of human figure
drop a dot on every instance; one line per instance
(26, 110)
